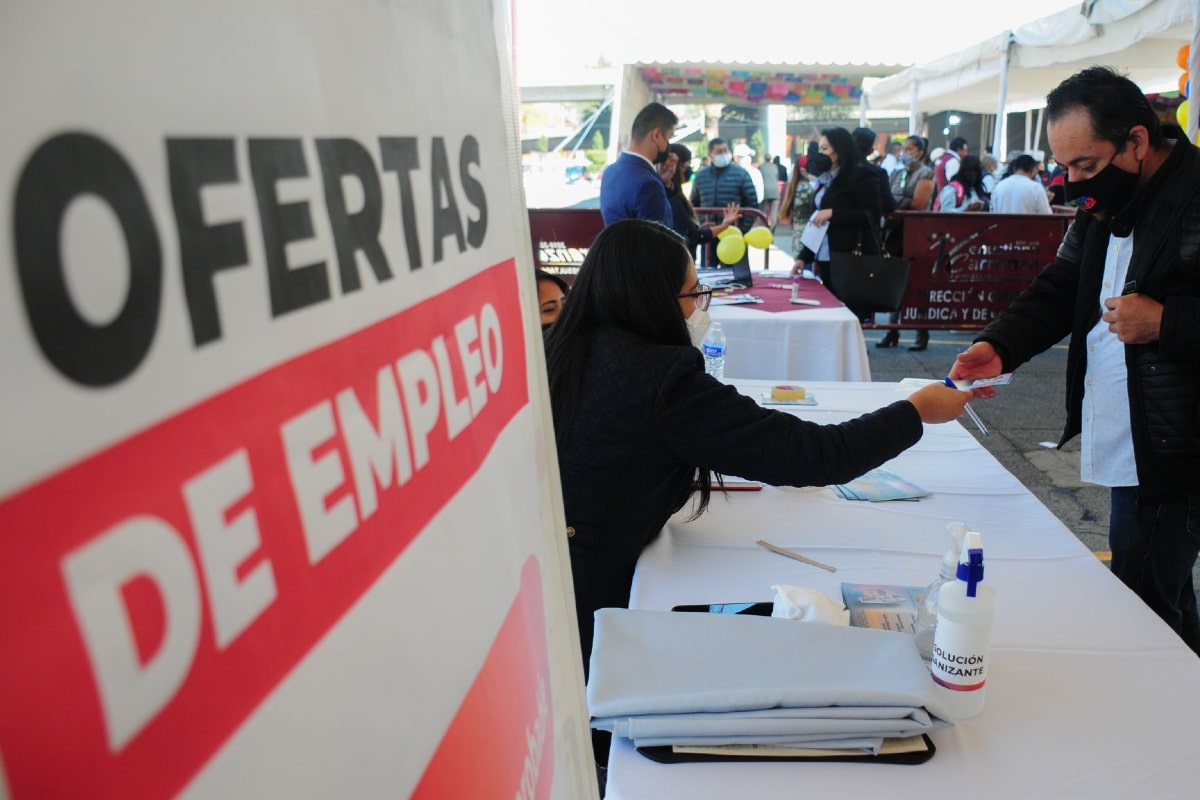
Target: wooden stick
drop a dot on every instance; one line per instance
(797, 556)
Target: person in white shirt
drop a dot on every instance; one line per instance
(1020, 192)
(891, 162)
(743, 154)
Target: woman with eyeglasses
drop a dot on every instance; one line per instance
(641, 428)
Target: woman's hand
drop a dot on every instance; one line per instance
(733, 212)
(823, 216)
(939, 403)
(798, 267)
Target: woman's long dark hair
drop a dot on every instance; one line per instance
(684, 154)
(970, 176)
(630, 279)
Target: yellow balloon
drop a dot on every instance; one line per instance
(759, 237)
(1181, 114)
(731, 249)
(732, 230)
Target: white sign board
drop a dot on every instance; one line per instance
(277, 516)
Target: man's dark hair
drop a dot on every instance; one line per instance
(653, 116)
(1023, 163)
(958, 143)
(864, 140)
(717, 141)
(1114, 105)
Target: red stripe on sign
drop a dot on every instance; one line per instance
(152, 595)
(958, 687)
(501, 741)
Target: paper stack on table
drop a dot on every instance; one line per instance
(879, 485)
(686, 679)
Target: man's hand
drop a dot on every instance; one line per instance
(1134, 318)
(980, 360)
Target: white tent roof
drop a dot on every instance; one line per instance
(1138, 37)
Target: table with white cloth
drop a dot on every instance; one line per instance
(1089, 694)
(805, 344)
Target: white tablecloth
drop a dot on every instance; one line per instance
(816, 344)
(1089, 696)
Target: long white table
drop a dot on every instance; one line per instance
(1089, 696)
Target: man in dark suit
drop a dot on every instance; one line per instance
(631, 187)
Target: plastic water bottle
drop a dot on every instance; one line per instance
(714, 351)
(966, 609)
(796, 286)
(927, 610)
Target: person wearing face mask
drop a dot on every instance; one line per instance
(1125, 285)
(676, 171)
(912, 188)
(641, 429)
(631, 188)
(716, 186)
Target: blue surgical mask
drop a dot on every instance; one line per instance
(906, 158)
(723, 160)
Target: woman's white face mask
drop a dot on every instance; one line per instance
(698, 324)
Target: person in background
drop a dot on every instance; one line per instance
(946, 164)
(631, 187)
(743, 156)
(552, 295)
(891, 162)
(864, 140)
(770, 180)
(1125, 285)
(1019, 191)
(675, 171)
(990, 167)
(912, 187)
(783, 173)
(797, 205)
(965, 192)
(847, 201)
(717, 186)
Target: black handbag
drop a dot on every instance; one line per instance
(868, 283)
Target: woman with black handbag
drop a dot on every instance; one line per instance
(848, 206)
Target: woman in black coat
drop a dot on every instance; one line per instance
(847, 201)
(641, 429)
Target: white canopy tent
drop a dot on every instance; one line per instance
(1013, 71)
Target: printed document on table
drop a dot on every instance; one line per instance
(814, 235)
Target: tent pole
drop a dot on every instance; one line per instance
(1037, 132)
(1001, 117)
(913, 122)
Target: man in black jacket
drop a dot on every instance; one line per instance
(1126, 286)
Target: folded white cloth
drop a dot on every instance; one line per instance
(661, 677)
(808, 605)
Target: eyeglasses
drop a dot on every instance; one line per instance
(703, 295)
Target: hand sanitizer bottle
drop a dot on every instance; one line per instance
(966, 609)
(927, 610)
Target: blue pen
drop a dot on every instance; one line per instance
(970, 411)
